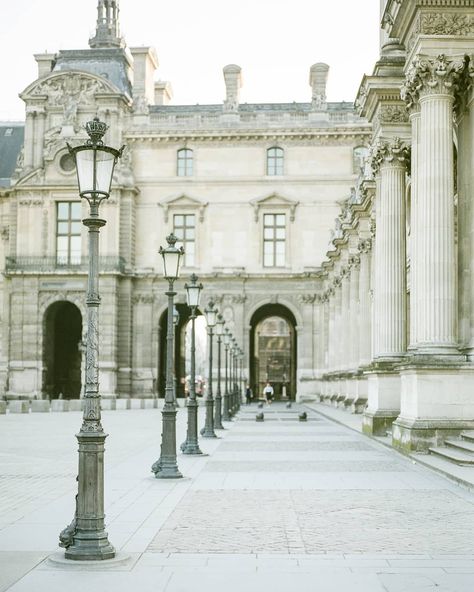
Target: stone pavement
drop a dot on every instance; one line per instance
(276, 506)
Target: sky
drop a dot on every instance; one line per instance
(275, 42)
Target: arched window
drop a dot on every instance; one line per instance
(275, 161)
(185, 162)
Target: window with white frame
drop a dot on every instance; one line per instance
(184, 228)
(275, 161)
(185, 162)
(68, 232)
(274, 240)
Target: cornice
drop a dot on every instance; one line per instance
(375, 90)
(323, 137)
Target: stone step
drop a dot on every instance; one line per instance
(468, 436)
(455, 456)
(465, 446)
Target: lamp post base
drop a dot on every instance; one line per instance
(90, 547)
(188, 448)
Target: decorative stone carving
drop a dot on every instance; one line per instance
(5, 232)
(393, 114)
(238, 298)
(433, 76)
(437, 23)
(395, 151)
(354, 261)
(70, 89)
(140, 105)
(365, 245)
(306, 298)
(143, 299)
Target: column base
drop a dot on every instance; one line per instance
(436, 402)
(383, 400)
(378, 423)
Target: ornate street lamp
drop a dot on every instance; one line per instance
(85, 537)
(167, 467)
(231, 376)
(208, 430)
(226, 410)
(218, 404)
(175, 326)
(191, 444)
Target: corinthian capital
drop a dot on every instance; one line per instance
(394, 152)
(428, 76)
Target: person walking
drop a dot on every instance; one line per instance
(268, 393)
(248, 395)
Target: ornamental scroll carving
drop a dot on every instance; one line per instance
(395, 152)
(64, 89)
(442, 23)
(393, 114)
(365, 245)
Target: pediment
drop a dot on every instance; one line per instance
(274, 200)
(81, 87)
(183, 202)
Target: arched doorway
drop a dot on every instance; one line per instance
(273, 351)
(62, 355)
(179, 350)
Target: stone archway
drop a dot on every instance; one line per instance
(62, 339)
(272, 348)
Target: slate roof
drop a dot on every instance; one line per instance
(11, 142)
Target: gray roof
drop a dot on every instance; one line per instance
(11, 142)
(110, 63)
(250, 107)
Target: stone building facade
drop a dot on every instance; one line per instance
(402, 268)
(252, 189)
(381, 322)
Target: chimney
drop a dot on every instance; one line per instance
(318, 76)
(163, 92)
(233, 83)
(45, 63)
(145, 62)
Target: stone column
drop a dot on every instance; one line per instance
(345, 337)
(331, 332)
(390, 255)
(414, 205)
(389, 329)
(436, 388)
(433, 265)
(337, 345)
(39, 138)
(365, 312)
(355, 327)
(29, 144)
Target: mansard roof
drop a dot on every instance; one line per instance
(11, 143)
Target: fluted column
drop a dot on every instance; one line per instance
(354, 328)
(29, 145)
(337, 322)
(331, 331)
(365, 308)
(344, 333)
(324, 331)
(390, 254)
(414, 205)
(432, 82)
(39, 138)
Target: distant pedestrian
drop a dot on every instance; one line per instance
(248, 395)
(268, 393)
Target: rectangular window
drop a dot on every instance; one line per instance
(68, 233)
(185, 229)
(274, 237)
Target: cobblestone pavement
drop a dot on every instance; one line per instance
(276, 506)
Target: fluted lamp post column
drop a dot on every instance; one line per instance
(175, 328)
(191, 445)
(218, 402)
(231, 373)
(167, 467)
(85, 538)
(234, 375)
(211, 318)
(226, 407)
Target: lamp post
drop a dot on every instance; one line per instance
(218, 403)
(226, 410)
(191, 444)
(167, 467)
(175, 328)
(231, 375)
(85, 538)
(208, 431)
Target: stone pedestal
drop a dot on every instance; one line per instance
(436, 402)
(40, 406)
(19, 406)
(360, 401)
(383, 401)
